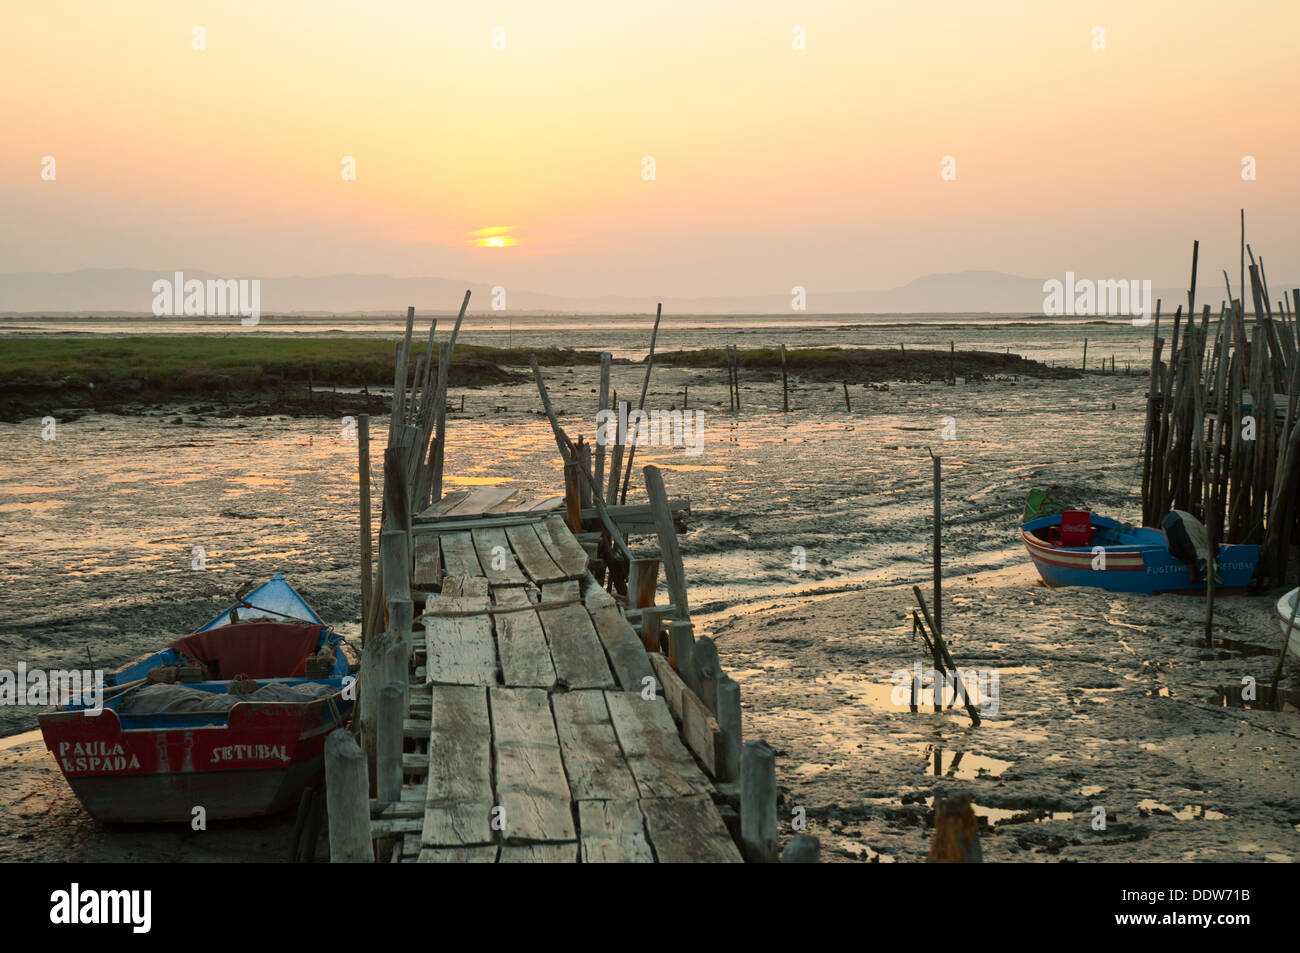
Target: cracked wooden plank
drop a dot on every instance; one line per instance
(531, 785)
(458, 802)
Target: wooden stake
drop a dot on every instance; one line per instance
(348, 799)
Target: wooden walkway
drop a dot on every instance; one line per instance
(537, 727)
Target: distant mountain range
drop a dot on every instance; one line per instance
(129, 290)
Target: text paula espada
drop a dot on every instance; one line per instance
(77, 906)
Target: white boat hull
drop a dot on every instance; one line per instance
(1287, 619)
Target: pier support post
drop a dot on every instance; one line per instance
(802, 849)
(758, 803)
(347, 795)
(642, 580)
(681, 650)
(388, 774)
(729, 723)
(708, 672)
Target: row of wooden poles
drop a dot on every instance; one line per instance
(413, 475)
(1222, 433)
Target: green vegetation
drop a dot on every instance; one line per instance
(179, 364)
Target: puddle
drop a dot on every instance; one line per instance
(962, 764)
(1233, 696)
(1242, 649)
(1189, 812)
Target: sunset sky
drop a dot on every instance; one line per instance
(774, 166)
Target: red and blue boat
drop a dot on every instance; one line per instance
(231, 718)
(1081, 548)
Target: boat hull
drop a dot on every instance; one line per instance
(1130, 560)
(1288, 620)
(258, 763)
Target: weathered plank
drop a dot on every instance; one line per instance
(547, 504)
(531, 786)
(593, 760)
(566, 551)
(539, 854)
(521, 643)
(512, 596)
(459, 648)
(566, 591)
(482, 854)
(613, 832)
(532, 554)
(439, 509)
(627, 656)
(481, 500)
(471, 586)
(458, 804)
(575, 647)
(660, 763)
(498, 562)
(688, 830)
(699, 727)
(428, 561)
(458, 555)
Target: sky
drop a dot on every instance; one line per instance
(507, 142)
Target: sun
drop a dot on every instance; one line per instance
(494, 237)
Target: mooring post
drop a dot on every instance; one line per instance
(847, 405)
(758, 803)
(938, 547)
(729, 722)
(802, 849)
(348, 799)
(785, 388)
(681, 650)
(388, 760)
(363, 480)
(708, 672)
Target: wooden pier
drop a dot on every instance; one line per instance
(522, 697)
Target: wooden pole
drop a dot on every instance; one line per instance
(847, 406)
(440, 402)
(729, 722)
(363, 479)
(669, 551)
(645, 387)
(681, 649)
(938, 545)
(616, 458)
(1085, 354)
(708, 672)
(785, 387)
(388, 759)
(758, 803)
(348, 799)
(603, 404)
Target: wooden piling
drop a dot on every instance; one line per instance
(729, 722)
(348, 799)
(363, 481)
(758, 803)
(785, 387)
(388, 759)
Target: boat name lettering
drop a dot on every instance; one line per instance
(249, 752)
